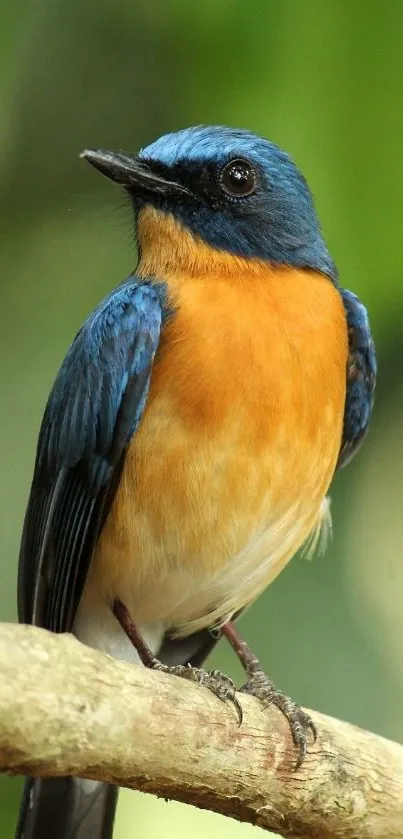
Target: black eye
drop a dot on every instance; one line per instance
(238, 178)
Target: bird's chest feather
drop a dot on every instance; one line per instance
(227, 473)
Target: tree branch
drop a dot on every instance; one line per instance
(66, 709)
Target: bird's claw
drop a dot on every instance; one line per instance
(301, 724)
(218, 683)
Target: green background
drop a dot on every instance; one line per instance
(324, 80)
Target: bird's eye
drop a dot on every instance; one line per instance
(238, 178)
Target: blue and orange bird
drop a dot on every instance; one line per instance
(193, 429)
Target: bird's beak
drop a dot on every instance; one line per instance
(132, 173)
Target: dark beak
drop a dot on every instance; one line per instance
(132, 173)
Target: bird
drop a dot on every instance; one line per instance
(193, 430)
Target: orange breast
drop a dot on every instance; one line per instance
(227, 473)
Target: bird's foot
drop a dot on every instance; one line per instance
(300, 722)
(218, 683)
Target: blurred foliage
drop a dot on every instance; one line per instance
(324, 80)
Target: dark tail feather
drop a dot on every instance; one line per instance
(66, 808)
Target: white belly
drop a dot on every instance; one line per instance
(186, 601)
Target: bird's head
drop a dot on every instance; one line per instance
(229, 189)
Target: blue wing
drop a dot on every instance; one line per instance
(93, 410)
(361, 377)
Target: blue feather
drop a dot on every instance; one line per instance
(115, 345)
(94, 408)
(361, 377)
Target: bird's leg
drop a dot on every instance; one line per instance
(123, 617)
(259, 685)
(218, 683)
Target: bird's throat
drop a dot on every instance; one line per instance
(167, 247)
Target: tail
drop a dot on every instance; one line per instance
(66, 808)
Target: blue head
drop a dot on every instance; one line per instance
(234, 190)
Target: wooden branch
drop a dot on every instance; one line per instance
(68, 710)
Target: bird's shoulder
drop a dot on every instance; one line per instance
(113, 347)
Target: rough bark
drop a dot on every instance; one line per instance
(67, 709)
